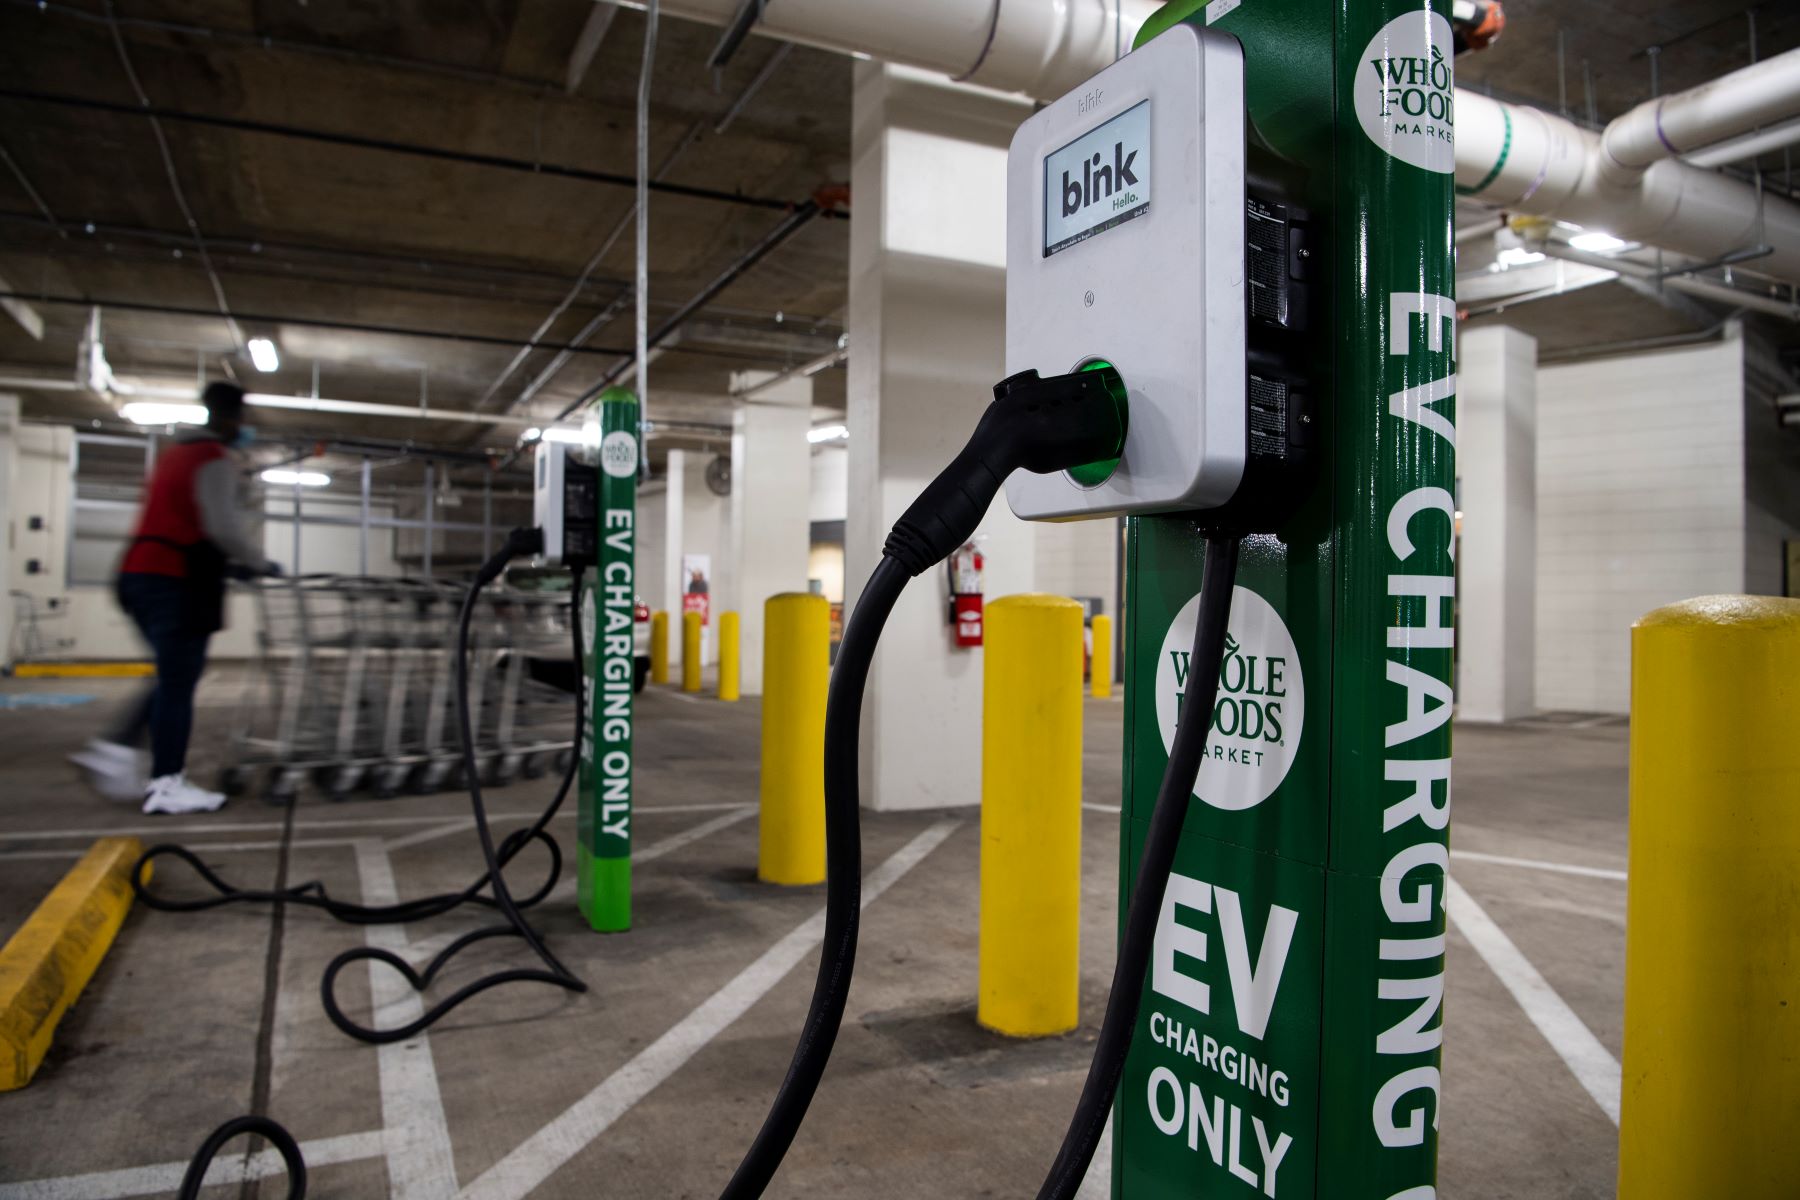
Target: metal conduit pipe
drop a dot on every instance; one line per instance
(1705, 289)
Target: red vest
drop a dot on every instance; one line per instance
(171, 514)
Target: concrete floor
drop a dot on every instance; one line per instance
(191, 1017)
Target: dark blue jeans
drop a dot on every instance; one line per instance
(159, 604)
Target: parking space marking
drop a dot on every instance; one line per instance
(540, 1155)
(1592, 1064)
(427, 948)
(165, 1178)
(419, 1159)
(159, 829)
(1538, 864)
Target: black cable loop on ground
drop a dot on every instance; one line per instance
(553, 971)
(279, 1137)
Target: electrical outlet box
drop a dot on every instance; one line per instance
(1125, 244)
(565, 505)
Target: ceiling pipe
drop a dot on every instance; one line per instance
(1520, 158)
(1749, 145)
(1727, 107)
(1041, 49)
(1529, 161)
(1718, 293)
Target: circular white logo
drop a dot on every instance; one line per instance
(1405, 91)
(618, 454)
(1260, 711)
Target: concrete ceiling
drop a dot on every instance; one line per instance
(307, 237)
(349, 254)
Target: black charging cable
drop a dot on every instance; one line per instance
(1136, 942)
(312, 894)
(1035, 424)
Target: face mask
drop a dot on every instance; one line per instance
(246, 434)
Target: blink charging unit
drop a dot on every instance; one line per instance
(1148, 233)
(565, 505)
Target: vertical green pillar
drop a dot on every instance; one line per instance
(608, 613)
(1289, 1040)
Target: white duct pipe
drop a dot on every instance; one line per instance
(1042, 48)
(1521, 158)
(1749, 145)
(1529, 161)
(1671, 126)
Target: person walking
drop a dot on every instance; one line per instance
(172, 585)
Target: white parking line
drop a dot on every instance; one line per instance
(427, 948)
(1593, 1065)
(540, 1155)
(197, 848)
(165, 1178)
(307, 823)
(1538, 864)
(419, 1159)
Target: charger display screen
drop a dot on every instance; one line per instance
(1098, 181)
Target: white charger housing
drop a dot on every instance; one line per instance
(1125, 244)
(548, 508)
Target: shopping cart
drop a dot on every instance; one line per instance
(353, 687)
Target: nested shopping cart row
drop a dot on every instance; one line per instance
(353, 687)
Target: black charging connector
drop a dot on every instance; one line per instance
(1034, 424)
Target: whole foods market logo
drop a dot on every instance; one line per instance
(1260, 711)
(1405, 91)
(619, 454)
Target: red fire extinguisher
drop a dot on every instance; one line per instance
(965, 594)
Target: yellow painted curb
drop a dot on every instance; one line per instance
(44, 966)
(84, 670)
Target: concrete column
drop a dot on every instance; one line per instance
(1497, 493)
(767, 529)
(927, 344)
(9, 506)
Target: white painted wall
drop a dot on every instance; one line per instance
(927, 331)
(1079, 558)
(1496, 562)
(1640, 475)
(653, 534)
(326, 549)
(9, 518)
(693, 523)
(767, 538)
(830, 494)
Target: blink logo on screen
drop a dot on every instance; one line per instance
(1098, 181)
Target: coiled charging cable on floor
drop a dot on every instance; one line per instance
(519, 542)
(313, 894)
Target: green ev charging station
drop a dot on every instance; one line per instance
(1289, 1040)
(608, 616)
(585, 505)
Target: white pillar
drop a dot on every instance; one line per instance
(927, 344)
(9, 506)
(1496, 456)
(768, 531)
(674, 512)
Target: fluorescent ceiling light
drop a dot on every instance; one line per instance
(262, 353)
(1517, 256)
(533, 434)
(146, 412)
(587, 435)
(290, 478)
(827, 433)
(1598, 243)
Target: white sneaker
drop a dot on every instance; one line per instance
(115, 771)
(174, 794)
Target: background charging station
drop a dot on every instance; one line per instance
(608, 613)
(1290, 1036)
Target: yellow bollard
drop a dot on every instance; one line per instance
(1711, 1082)
(690, 651)
(1031, 816)
(659, 647)
(1100, 662)
(796, 673)
(728, 656)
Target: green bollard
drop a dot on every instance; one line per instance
(608, 612)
